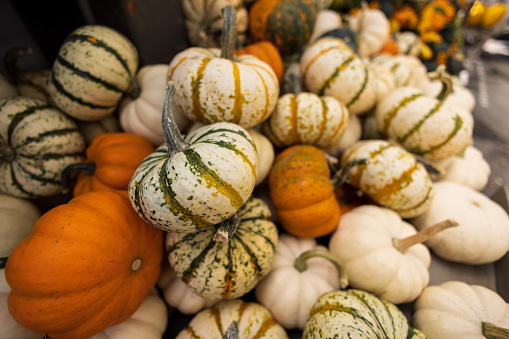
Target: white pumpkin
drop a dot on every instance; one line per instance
(455, 309)
(301, 272)
(460, 96)
(140, 112)
(483, 234)
(409, 43)
(394, 65)
(326, 20)
(352, 134)
(373, 30)
(386, 81)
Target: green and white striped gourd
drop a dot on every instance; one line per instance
(329, 67)
(391, 177)
(94, 67)
(253, 321)
(215, 270)
(423, 125)
(355, 313)
(306, 118)
(37, 142)
(192, 183)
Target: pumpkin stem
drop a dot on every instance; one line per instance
(88, 168)
(233, 331)
(447, 85)
(339, 178)
(135, 92)
(174, 140)
(3, 262)
(10, 62)
(403, 244)
(300, 264)
(7, 154)
(229, 34)
(492, 331)
(227, 229)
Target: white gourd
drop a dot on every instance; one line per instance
(352, 134)
(326, 20)
(373, 30)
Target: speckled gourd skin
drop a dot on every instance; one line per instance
(392, 177)
(94, 67)
(214, 270)
(306, 118)
(37, 142)
(213, 89)
(357, 314)
(254, 321)
(200, 186)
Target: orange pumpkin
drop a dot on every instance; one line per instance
(111, 160)
(390, 47)
(87, 265)
(265, 51)
(349, 197)
(302, 192)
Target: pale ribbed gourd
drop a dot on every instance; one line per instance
(329, 67)
(94, 67)
(192, 183)
(214, 270)
(214, 86)
(391, 177)
(37, 142)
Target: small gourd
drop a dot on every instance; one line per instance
(268, 53)
(326, 20)
(372, 28)
(352, 134)
(460, 95)
(266, 155)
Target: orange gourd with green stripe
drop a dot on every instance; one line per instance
(215, 86)
(302, 192)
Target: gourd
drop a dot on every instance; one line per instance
(91, 129)
(226, 269)
(372, 28)
(391, 177)
(268, 53)
(455, 309)
(302, 192)
(422, 125)
(288, 24)
(384, 254)
(460, 95)
(329, 67)
(17, 219)
(216, 87)
(193, 183)
(204, 20)
(354, 313)
(111, 160)
(399, 69)
(252, 319)
(75, 263)
(352, 134)
(326, 20)
(148, 322)
(140, 111)
(301, 272)
(94, 67)
(483, 234)
(266, 155)
(37, 142)
(408, 43)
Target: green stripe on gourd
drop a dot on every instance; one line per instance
(192, 183)
(215, 270)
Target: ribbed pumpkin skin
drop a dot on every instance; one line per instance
(199, 187)
(267, 52)
(217, 271)
(254, 321)
(93, 69)
(214, 89)
(392, 177)
(80, 262)
(116, 157)
(329, 67)
(306, 118)
(37, 142)
(302, 192)
(357, 314)
(288, 24)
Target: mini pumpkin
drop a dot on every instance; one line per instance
(326, 20)
(373, 30)
(268, 53)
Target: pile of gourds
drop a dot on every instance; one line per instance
(298, 182)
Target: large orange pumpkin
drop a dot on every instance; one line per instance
(302, 192)
(87, 265)
(111, 160)
(265, 51)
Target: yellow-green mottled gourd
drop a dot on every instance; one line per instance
(192, 183)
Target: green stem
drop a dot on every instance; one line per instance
(301, 265)
(135, 92)
(172, 136)
(445, 79)
(10, 62)
(3, 262)
(67, 173)
(229, 34)
(227, 229)
(340, 176)
(492, 331)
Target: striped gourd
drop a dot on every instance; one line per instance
(306, 118)
(188, 184)
(253, 321)
(94, 67)
(37, 142)
(214, 86)
(214, 270)
(355, 313)
(391, 177)
(330, 67)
